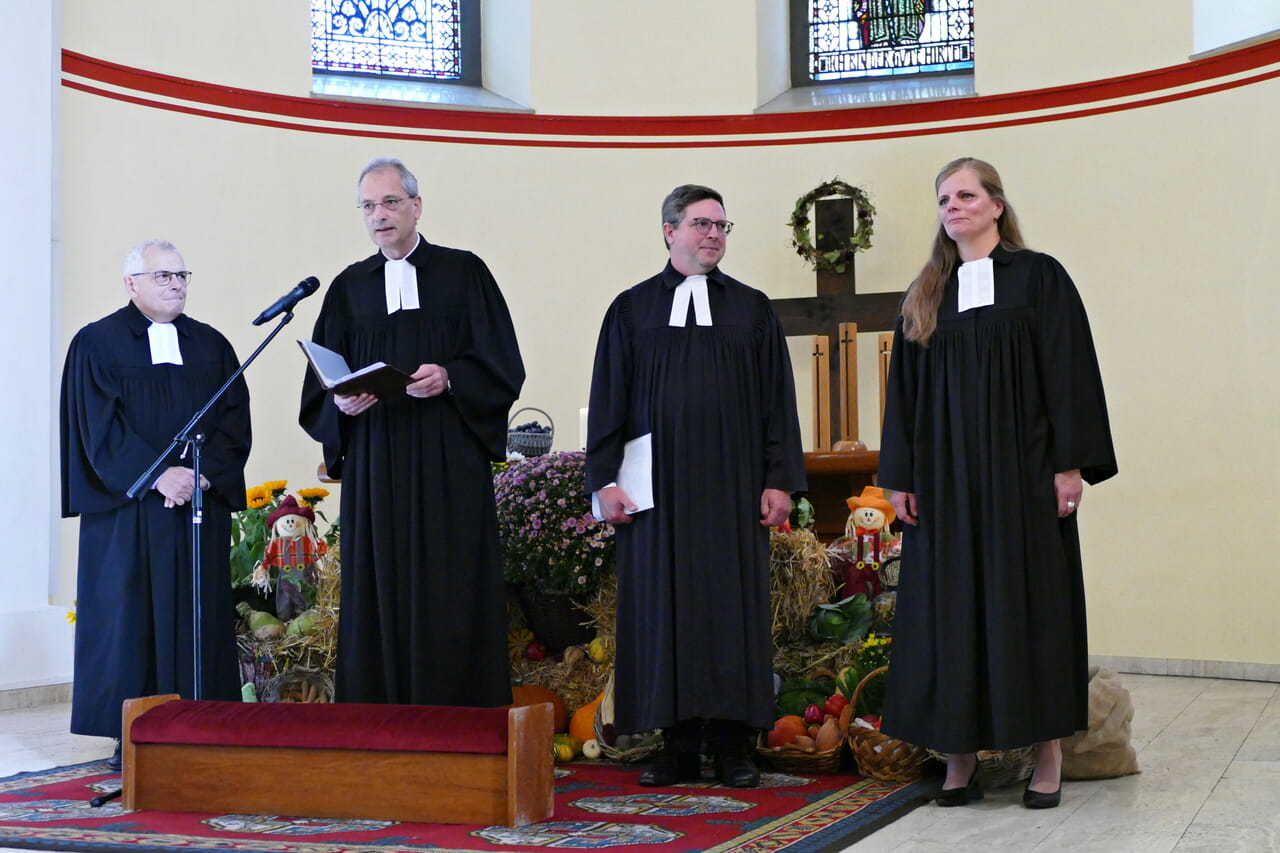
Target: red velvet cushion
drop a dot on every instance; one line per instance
(387, 728)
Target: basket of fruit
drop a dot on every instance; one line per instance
(532, 438)
(813, 743)
(878, 755)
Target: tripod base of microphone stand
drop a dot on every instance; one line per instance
(102, 799)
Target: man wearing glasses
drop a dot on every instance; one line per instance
(423, 618)
(697, 361)
(132, 380)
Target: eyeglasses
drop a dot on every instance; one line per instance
(703, 225)
(390, 204)
(162, 277)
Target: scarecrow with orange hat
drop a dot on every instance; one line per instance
(858, 568)
(870, 514)
(292, 551)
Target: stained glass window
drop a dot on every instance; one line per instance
(853, 39)
(419, 39)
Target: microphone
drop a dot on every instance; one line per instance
(305, 288)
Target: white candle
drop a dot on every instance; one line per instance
(582, 429)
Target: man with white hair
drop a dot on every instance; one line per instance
(131, 381)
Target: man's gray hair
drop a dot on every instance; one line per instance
(133, 262)
(674, 205)
(407, 180)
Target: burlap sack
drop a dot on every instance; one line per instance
(1104, 751)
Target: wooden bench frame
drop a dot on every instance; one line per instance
(434, 787)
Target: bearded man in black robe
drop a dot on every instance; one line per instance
(423, 618)
(132, 380)
(697, 361)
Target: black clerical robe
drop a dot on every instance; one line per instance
(134, 607)
(423, 618)
(990, 648)
(693, 625)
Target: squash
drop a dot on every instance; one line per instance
(518, 639)
(533, 694)
(583, 724)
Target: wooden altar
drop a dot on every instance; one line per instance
(833, 478)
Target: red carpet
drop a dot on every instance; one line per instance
(598, 807)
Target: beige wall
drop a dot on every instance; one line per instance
(1162, 215)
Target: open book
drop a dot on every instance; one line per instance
(379, 378)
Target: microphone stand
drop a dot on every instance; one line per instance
(194, 441)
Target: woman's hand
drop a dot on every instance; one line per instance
(904, 504)
(1068, 487)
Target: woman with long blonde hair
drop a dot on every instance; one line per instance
(995, 417)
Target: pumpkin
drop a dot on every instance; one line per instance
(533, 694)
(583, 724)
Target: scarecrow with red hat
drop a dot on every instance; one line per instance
(292, 551)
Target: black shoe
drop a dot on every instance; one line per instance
(1037, 800)
(116, 760)
(670, 768)
(948, 797)
(737, 771)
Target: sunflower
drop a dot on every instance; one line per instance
(275, 487)
(313, 495)
(257, 497)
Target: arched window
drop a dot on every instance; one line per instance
(431, 40)
(835, 40)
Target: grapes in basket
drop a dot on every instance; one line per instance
(532, 427)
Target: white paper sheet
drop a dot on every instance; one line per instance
(635, 475)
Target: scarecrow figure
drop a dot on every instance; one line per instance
(292, 550)
(856, 557)
(870, 515)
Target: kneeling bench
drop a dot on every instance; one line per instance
(378, 762)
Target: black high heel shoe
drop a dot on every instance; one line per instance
(948, 797)
(1037, 800)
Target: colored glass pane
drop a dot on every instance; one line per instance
(850, 39)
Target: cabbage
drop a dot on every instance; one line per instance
(846, 621)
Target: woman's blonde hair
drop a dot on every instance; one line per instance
(920, 305)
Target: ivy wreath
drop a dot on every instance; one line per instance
(837, 259)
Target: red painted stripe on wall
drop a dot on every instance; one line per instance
(880, 122)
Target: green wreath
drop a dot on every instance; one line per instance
(837, 259)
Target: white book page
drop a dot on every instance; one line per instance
(331, 366)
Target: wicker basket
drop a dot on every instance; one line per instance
(791, 759)
(879, 755)
(529, 444)
(645, 747)
(1001, 768)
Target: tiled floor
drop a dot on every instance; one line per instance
(1209, 751)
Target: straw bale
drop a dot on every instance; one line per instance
(799, 579)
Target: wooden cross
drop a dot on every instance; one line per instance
(837, 303)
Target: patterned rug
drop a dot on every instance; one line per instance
(599, 806)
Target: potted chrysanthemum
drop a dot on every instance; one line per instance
(554, 552)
